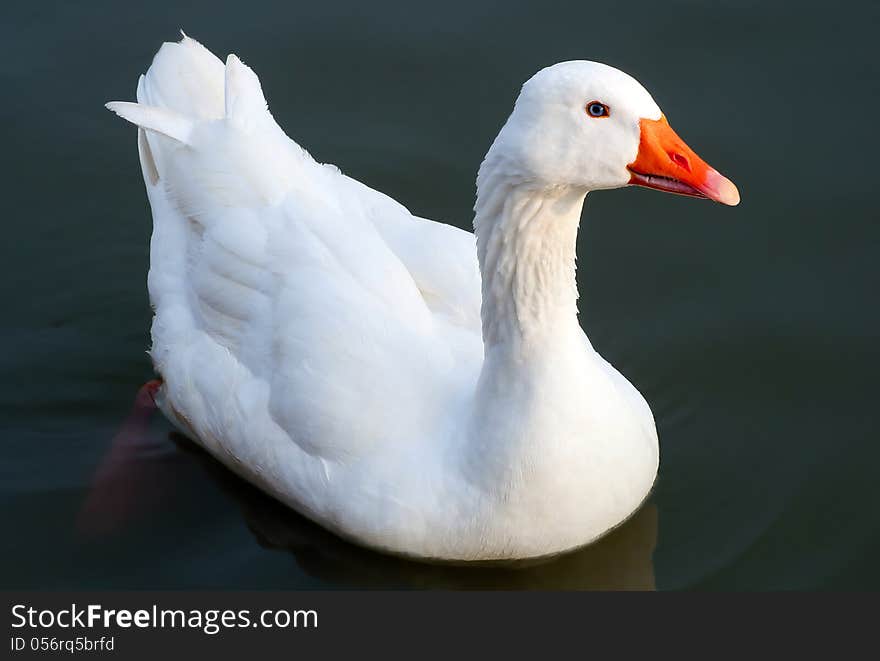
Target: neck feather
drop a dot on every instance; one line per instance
(526, 238)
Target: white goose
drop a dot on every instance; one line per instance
(341, 353)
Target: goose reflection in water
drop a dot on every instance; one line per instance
(134, 479)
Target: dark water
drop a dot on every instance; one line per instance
(751, 331)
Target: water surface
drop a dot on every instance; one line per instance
(751, 331)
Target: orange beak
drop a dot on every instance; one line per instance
(666, 163)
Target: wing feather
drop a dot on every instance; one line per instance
(280, 280)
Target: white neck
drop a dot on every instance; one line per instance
(526, 238)
(534, 350)
(550, 437)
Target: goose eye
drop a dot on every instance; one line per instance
(596, 109)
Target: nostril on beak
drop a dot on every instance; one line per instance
(680, 161)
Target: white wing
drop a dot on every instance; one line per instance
(287, 294)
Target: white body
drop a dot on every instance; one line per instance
(327, 345)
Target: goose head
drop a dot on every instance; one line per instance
(590, 126)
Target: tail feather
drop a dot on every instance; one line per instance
(187, 83)
(184, 84)
(219, 111)
(163, 121)
(187, 78)
(245, 103)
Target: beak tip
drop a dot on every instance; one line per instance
(723, 189)
(730, 197)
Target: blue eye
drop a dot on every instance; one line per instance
(597, 109)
